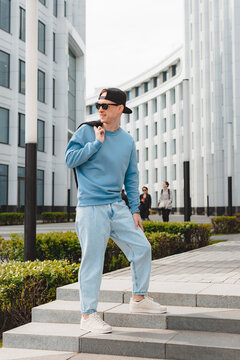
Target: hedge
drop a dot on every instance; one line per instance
(24, 285)
(65, 246)
(226, 224)
(56, 217)
(11, 218)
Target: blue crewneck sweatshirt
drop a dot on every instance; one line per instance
(103, 168)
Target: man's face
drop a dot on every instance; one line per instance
(112, 113)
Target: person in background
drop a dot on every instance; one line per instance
(125, 198)
(145, 204)
(165, 201)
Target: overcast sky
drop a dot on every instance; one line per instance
(126, 37)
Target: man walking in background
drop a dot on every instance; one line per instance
(105, 160)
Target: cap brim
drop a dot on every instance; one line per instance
(127, 110)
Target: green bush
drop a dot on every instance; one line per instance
(24, 285)
(54, 217)
(226, 224)
(190, 233)
(50, 246)
(11, 218)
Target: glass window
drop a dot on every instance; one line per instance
(72, 92)
(55, 6)
(53, 185)
(54, 47)
(137, 134)
(3, 185)
(165, 173)
(174, 171)
(155, 151)
(127, 117)
(65, 8)
(174, 70)
(164, 76)
(42, 2)
(4, 125)
(137, 91)
(146, 154)
(4, 69)
(175, 197)
(155, 105)
(156, 175)
(53, 139)
(155, 81)
(173, 96)
(129, 94)
(22, 24)
(21, 186)
(21, 85)
(21, 130)
(156, 197)
(146, 86)
(155, 128)
(146, 176)
(54, 97)
(164, 125)
(164, 101)
(41, 86)
(5, 15)
(174, 146)
(92, 109)
(40, 135)
(138, 156)
(164, 149)
(41, 36)
(136, 113)
(146, 109)
(174, 121)
(146, 132)
(40, 187)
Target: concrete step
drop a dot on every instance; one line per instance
(153, 343)
(31, 354)
(167, 293)
(178, 318)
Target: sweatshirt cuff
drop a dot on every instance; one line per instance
(97, 144)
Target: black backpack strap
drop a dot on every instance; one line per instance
(91, 123)
(169, 193)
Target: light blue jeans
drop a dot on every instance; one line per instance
(94, 225)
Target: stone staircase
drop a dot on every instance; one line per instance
(184, 333)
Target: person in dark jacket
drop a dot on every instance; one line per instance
(145, 204)
(125, 198)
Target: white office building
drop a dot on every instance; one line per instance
(61, 98)
(186, 109)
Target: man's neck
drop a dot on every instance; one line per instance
(111, 127)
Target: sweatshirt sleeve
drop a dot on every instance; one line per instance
(80, 148)
(131, 182)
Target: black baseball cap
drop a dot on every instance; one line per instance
(116, 95)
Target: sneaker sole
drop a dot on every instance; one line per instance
(98, 331)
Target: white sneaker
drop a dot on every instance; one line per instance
(95, 324)
(147, 305)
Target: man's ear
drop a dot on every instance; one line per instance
(122, 108)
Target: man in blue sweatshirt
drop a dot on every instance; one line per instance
(105, 159)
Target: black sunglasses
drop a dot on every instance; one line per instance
(104, 106)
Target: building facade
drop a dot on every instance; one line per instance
(61, 98)
(186, 109)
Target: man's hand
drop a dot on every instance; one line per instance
(137, 220)
(99, 133)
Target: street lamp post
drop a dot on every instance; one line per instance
(31, 130)
(186, 162)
